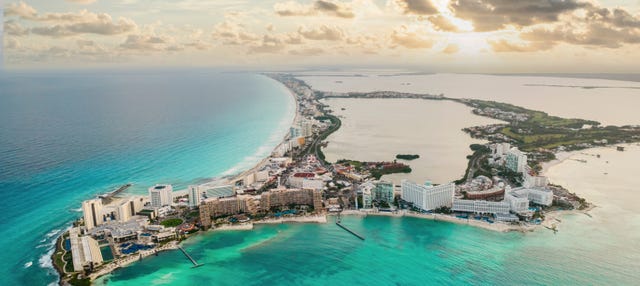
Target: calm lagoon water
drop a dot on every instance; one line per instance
(611, 102)
(379, 129)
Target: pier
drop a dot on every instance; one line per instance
(195, 263)
(338, 223)
(113, 193)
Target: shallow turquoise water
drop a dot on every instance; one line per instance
(397, 251)
(66, 136)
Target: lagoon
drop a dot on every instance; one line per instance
(379, 129)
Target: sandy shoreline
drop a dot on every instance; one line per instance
(496, 226)
(118, 263)
(295, 219)
(241, 226)
(260, 164)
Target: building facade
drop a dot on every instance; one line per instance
(195, 196)
(516, 160)
(161, 195)
(92, 213)
(383, 191)
(518, 203)
(216, 207)
(128, 208)
(367, 195)
(285, 197)
(219, 191)
(480, 207)
(428, 197)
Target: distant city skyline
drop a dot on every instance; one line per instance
(438, 35)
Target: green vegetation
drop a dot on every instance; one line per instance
(477, 163)
(172, 222)
(443, 210)
(378, 173)
(75, 281)
(68, 258)
(534, 130)
(356, 164)
(384, 204)
(377, 169)
(536, 118)
(407, 157)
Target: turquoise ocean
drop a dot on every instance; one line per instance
(68, 136)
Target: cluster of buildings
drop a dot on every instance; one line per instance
(272, 200)
(512, 158)
(482, 193)
(501, 114)
(108, 221)
(381, 192)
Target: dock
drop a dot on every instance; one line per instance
(195, 263)
(113, 193)
(338, 223)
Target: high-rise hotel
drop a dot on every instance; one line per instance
(161, 195)
(427, 196)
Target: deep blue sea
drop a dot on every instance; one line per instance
(66, 136)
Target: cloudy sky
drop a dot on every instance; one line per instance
(440, 35)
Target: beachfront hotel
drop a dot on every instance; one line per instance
(285, 197)
(215, 207)
(195, 196)
(367, 196)
(381, 191)
(518, 202)
(480, 207)
(85, 251)
(539, 196)
(92, 213)
(161, 195)
(427, 196)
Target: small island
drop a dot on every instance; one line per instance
(407, 157)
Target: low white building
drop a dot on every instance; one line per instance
(428, 197)
(85, 252)
(480, 207)
(539, 196)
(518, 203)
(535, 181)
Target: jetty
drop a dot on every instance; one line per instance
(195, 263)
(338, 223)
(115, 192)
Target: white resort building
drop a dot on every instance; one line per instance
(480, 207)
(428, 197)
(161, 195)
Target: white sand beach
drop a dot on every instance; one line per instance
(294, 219)
(240, 226)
